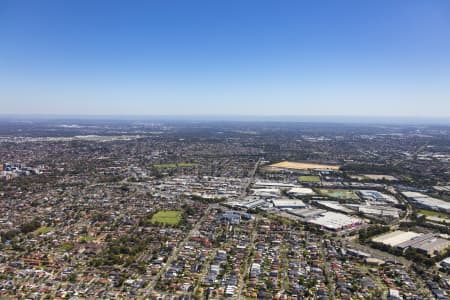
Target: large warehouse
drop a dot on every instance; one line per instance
(427, 202)
(428, 244)
(288, 204)
(336, 221)
(376, 196)
(395, 238)
(300, 191)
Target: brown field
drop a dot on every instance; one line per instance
(380, 177)
(374, 177)
(304, 166)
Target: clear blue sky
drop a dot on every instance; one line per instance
(357, 58)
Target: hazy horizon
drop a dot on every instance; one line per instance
(399, 120)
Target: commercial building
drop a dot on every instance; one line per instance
(433, 246)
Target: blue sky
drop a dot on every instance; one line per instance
(328, 58)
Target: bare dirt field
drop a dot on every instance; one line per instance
(304, 166)
(374, 177)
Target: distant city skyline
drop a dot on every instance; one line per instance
(231, 58)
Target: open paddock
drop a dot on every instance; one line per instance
(340, 194)
(304, 166)
(309, 179)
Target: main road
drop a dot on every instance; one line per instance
(251, 179)
(151, 286)
(251, 246)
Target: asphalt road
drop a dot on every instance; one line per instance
(151, 286)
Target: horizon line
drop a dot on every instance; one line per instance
(435, 120)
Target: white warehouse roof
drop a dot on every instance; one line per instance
(395, 238)
(288, 203)
(301, 191)
(332, 220)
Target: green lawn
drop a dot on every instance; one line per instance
(87, 238)
(339, 194)
(432, 213)
(67, 246)
(43, 230)
(178, 165)
(168, 217)
(309, 178)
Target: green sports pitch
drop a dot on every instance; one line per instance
(309, 178)
(167, 217)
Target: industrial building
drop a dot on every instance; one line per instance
(396, 237)
(336, 221)
(376, 196)
(335, 205)
(265, 184)
(255, 203)
(428, 244)
(427, 202)
(376, 210)
(288, 203)
(307, 213)
(300, 191)
(266, 192)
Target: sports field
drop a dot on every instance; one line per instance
(432, 213)
(304, 166)
(168, 217)
(339, 194)
(309, 179)
(43, 230)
